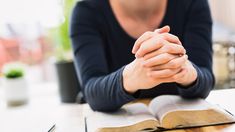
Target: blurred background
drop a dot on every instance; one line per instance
(32, 32)
(35, 33)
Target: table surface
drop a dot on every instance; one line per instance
(45, 109)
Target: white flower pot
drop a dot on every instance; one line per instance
(16, 91)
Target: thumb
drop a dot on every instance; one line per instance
(165, 29)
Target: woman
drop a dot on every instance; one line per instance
(105, 33)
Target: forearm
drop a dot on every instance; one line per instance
(202, 87)
(106, 93)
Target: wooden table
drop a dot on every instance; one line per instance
(45, 109)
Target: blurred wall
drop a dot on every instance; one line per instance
(223, 11)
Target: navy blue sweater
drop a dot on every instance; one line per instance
(102, 49)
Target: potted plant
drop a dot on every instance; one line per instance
(66, 74)
(15, 85)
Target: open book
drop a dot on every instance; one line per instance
(163, 112)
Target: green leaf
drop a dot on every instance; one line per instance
(13, 70)
(61, 34)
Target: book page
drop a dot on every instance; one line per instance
(126, 116)
(163, 104)
(175, 112)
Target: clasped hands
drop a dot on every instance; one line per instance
(160, 58)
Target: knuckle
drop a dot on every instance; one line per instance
(185, 60)
(156, 38)
(159, 39)
(167, 72)
(173, 64)
(164, 35)
(164, 49)
(169, 48)
(143, 48)
(182, 49)
(148, 33)
(174, 78)
(177, 38)
(166, 56)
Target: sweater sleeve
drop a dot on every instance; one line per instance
(197, 40)
(102, 90)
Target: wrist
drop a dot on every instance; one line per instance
(128, 84)
(191, 76)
